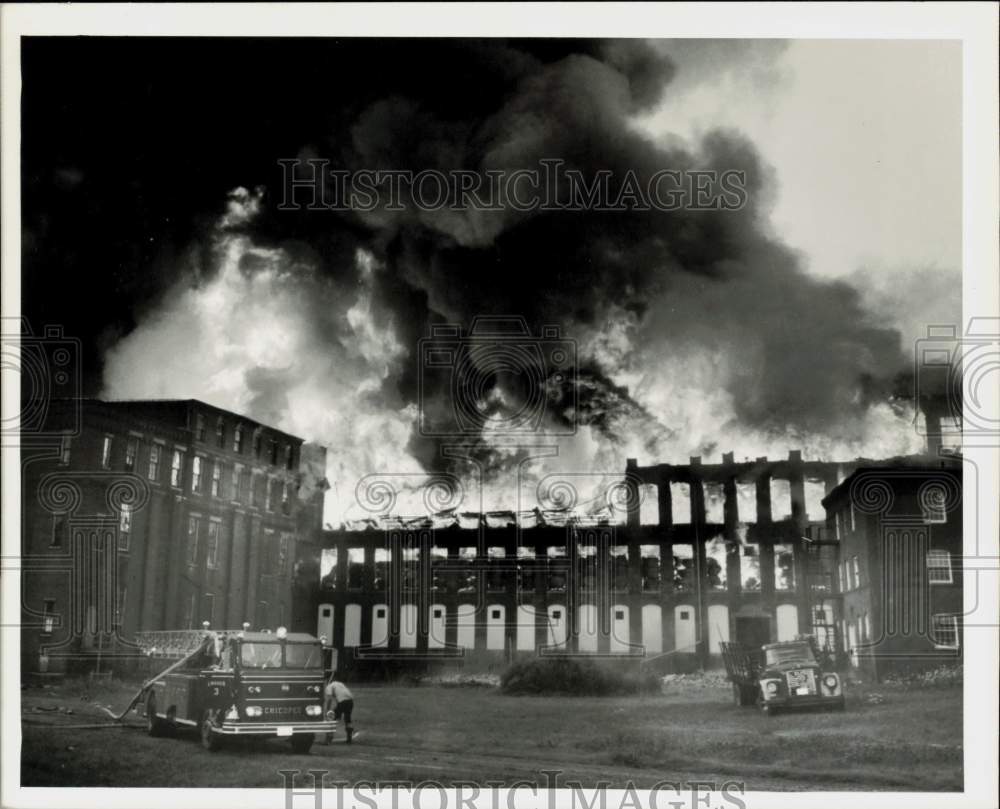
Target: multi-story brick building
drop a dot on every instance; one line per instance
(705, 553)
(146, 515)
(898, 528)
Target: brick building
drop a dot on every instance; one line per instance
(898, 526)
(146, 515)
(705, 553)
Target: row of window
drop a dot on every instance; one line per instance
(858, 632)
(938, 563)
(241, 484)
(156, 456)
(461, 574)
(273, 549)
(277, 451)
(744, 505)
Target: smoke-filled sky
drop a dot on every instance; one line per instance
(152, 231)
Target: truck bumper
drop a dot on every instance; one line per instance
(273, 729)
(811, 701)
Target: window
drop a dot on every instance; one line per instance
(244, 486)
(59, 530)
(196, 473)
(269, 495)
(855, 571)
(944, 630)
(176, 463)
(556, 615)
(380, 612)
(288, 456)
(131, 451)
(48, 615)
(437, 613)
(286, 499)
(939, 567)
(208, 608)
(282, 552)
(238, 438)
(495, 614)
(259, 484)
(212, 551)
(784, 567)
(274, 453)
(125, 527)
(153, 471)
(65, 447)
(619, 615)
(216, 478)
(106, 452)
(257, 440)
(199, 430)
(685, 615)
(194, 526)
(220, 433)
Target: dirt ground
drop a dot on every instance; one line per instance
(889, 738)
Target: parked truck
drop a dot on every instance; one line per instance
(783, 676)
(238, 683)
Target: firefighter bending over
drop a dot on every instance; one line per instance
(339, 703)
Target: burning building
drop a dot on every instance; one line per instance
(705, 553)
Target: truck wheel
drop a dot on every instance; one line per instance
(209, 739)
(302, 743)
(154, 725)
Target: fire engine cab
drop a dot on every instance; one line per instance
(241, 683)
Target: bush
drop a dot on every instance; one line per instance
(574, 676)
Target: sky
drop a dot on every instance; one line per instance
(151, 231)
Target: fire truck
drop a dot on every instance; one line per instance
(782, 676)
(237, 683)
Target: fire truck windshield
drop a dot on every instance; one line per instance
(777, 655)
(303, 656)
(260, 655)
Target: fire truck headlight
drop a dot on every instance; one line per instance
(772, 687)
(231, 713)
(254, 710)
(830, 681)
(282, 633)
(314, 710)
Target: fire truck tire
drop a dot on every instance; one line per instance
(302, 743)
(209, 739)
(154, 725)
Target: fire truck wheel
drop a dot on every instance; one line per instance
(302, 743)
(154, 725)
(209, 739)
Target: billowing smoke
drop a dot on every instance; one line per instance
(697, 330)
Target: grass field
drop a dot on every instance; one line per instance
(910, 741)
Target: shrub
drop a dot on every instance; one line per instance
(574, 676)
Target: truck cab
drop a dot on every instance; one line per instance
(792, 677)
(243, 684)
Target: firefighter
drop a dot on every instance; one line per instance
(339, 703)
